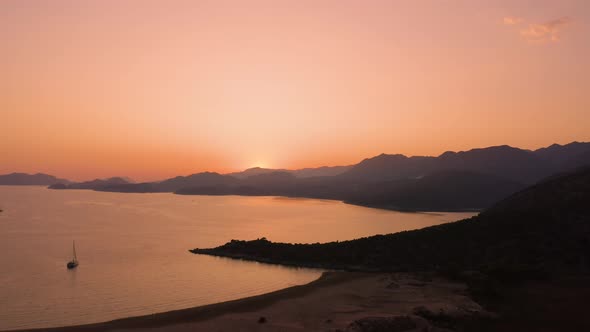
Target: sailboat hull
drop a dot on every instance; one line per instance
(74, 262)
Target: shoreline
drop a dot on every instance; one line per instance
(337, 301)
(207, 311)
(370, 206)
(262, 260)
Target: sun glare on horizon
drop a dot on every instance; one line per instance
(183, 86)
(260, 164)
(161, 158)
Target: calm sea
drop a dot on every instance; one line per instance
(133, 249)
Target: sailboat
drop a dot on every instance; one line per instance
(74, 262)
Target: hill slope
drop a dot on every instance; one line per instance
(442, 191)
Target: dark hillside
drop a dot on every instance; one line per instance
(442, 191)
(544, 228)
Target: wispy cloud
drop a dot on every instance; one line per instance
(538, 33)
(511, 20)
(545, 32)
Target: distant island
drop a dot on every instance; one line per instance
(24, 179)
(454, 181)
(94, 184)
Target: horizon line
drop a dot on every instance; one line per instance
(300, 168)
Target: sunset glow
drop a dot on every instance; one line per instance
(154, 89)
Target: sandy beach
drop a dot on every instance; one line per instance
(336, 301)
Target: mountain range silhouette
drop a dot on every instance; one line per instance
(452, 181)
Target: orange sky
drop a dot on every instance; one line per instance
(153, 89)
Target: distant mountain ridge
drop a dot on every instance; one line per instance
(511, 163)
(465, 180)
(453, 181)
(24, 179)
(94, 184)
(300, 173)
(199, 179)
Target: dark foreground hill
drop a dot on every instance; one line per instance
(544, 229)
